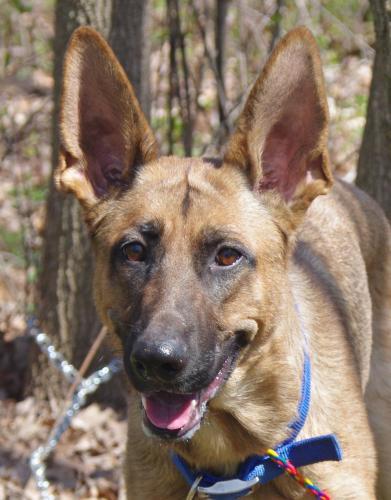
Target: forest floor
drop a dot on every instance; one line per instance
(88, 459)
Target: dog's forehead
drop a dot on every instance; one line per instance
(187, 194)
(188, 187)
(191, 177)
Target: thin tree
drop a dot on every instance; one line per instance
(220, 32)
(374, 166)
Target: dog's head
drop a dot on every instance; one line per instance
(191, 254)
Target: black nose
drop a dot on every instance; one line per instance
(163, 360)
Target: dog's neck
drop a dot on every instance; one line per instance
(249, 422)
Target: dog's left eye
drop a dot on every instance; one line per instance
(227, 256)
(134, 252)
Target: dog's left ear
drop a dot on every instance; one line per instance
(281, 136)
(104, 134)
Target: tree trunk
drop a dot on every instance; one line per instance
(130, 39)
(374, 166)
(179, 79)
(220, 31)
(66, 307)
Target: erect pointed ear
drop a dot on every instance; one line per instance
(281, 136)
(104, 134)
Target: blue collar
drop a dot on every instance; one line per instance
(259, 469)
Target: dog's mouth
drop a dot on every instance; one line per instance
(178, 416)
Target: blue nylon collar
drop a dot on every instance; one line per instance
(260, 468)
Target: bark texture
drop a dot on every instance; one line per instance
(374, 167)
(220, 35)
(130, 40)
(66, 307)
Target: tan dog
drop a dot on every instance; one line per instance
(215, 278)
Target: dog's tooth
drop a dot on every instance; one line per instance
(143, 401)
(193, 403)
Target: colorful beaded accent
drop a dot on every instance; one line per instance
(288, 467)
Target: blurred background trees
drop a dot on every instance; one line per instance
(192, 64)
(374, 166)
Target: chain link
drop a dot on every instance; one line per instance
(85, 387)
(55, 357)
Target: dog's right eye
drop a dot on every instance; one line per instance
(227, 257)
(134, 252)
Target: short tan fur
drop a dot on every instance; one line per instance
(314, 261)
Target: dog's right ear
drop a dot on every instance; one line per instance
(104, 134)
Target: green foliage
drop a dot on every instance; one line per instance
(32, 275)
(12, 242)
(160, 35)
(343, 10)
(35, 193)
(21, 6)
(276, 18)
(177, 130)
(7, 58)
(159, 6)
(361, 103)
(20, 28)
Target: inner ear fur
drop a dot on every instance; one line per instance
(281, 137)
(104, 134)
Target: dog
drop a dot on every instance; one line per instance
(250, 296)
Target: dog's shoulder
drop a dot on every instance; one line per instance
(343, 238)
(343, 235)
(347, 222)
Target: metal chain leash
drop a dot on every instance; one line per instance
(84, 388)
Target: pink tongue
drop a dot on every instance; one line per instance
(169, 411)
